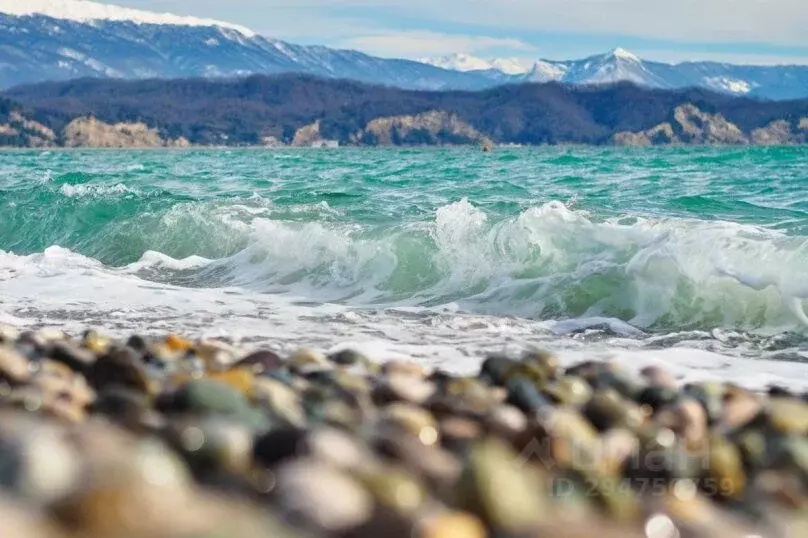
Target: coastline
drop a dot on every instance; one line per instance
(345, 444)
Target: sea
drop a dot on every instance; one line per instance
(695, 259)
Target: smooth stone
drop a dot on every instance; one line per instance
(52, 335)
(282, 400)
(8, 333)
(496, 369)
(740, 408)
(348, 357)
(307, 360)
(161, 353)
(564, 436)
(458, 432)
(19, 521)
(617, 447)
(657, 397)
(619, 380)
(788, 415)
(321, 497)
(506, 421)
(340, 414)
(700, 516)
(241, 379)
(216, 355)
(213, 397)
(126, 407)
(214, 445)
(594, 526)
(523, 394)
(407, 388)
(547, 363)
(78, 359)
(413, 420)
(142, 489)
(279, 445)
(56, 382)
(138, 343)
(507, 495)
(34, 340)
(726, 475)
(96, 342)
(569, 390)
(451, 525)
(210, 396)
(686, 419)
(357, 385)
(468, 396)
(178, 343)
(609, 409)
(710, 395)
(396, 489)
(339, 449)
(14, 367)
(261, 362)
(438, 466)
(659, 377)
(121, 367)
(38, 463)
(404, 368)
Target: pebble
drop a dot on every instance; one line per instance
(172, 438)
(14, 367)
(321, 498)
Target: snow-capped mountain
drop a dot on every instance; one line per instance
(467, 62)
(773, 82)
(85, 11)
(65, 39)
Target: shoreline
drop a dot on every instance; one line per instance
(406, 147)
(166, 436)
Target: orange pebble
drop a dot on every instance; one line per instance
(176, 343)
(241, 379)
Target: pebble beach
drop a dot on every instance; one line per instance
(144, 437)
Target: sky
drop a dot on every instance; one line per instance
(740, 31)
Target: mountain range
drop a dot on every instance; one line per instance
(43, 40)
(771, 82)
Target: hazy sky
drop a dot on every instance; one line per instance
(746, 31)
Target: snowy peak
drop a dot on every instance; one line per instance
(458, 62)
(468, 63)
(622, 54)
(85, 11)
(543, 71)
(512, 66)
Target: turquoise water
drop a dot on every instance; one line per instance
(654, 240)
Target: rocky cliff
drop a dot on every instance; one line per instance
(93, 133)
(690, 125)
(433, 128)
(18, 130)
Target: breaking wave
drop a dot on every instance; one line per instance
(547, 262)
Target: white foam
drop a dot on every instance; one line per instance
(35, 294)
(85, 11)
(83, 190)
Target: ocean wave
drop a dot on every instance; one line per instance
(82, 190)
(548, 262)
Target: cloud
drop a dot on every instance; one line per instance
(424, 43)
(678, 56)
(764, 21)
(561, 28)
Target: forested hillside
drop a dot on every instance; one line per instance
(303, 110)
